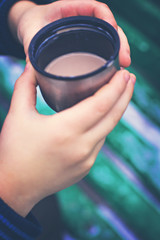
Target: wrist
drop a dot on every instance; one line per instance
(15, 15)
(14, 195)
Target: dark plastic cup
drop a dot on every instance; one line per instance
(72, 35)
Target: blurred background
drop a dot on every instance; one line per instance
(120, 197)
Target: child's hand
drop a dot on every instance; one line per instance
(27, 18)
(40, 155)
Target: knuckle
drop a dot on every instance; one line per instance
(121, 85)
(103, 5)
(89, 164)
(18, 84)
(120, 89)
(84, 153)
(81, 154)
(62, 138)
(120, 29)
(101, 108)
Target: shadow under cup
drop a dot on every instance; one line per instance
(73, 35)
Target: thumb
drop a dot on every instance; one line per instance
(24, 95)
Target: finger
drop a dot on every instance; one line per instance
(106, 125)
(124, 53)
(24, 95)
(90, 111)
(84, 8)
(103, 12)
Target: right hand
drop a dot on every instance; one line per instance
(40, 155)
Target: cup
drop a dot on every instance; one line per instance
(73, 37)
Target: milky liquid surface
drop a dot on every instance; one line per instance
(75, 64)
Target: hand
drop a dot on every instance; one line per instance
(40, 155)
(27, 18)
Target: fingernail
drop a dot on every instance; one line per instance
(126, 76)
(133, 78)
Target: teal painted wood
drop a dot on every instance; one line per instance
(125, 177)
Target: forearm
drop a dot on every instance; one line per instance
(12, 194)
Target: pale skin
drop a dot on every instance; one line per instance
(40, 155)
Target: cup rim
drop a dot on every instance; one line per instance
(84, 20)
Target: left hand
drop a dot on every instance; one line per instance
(26, 19)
